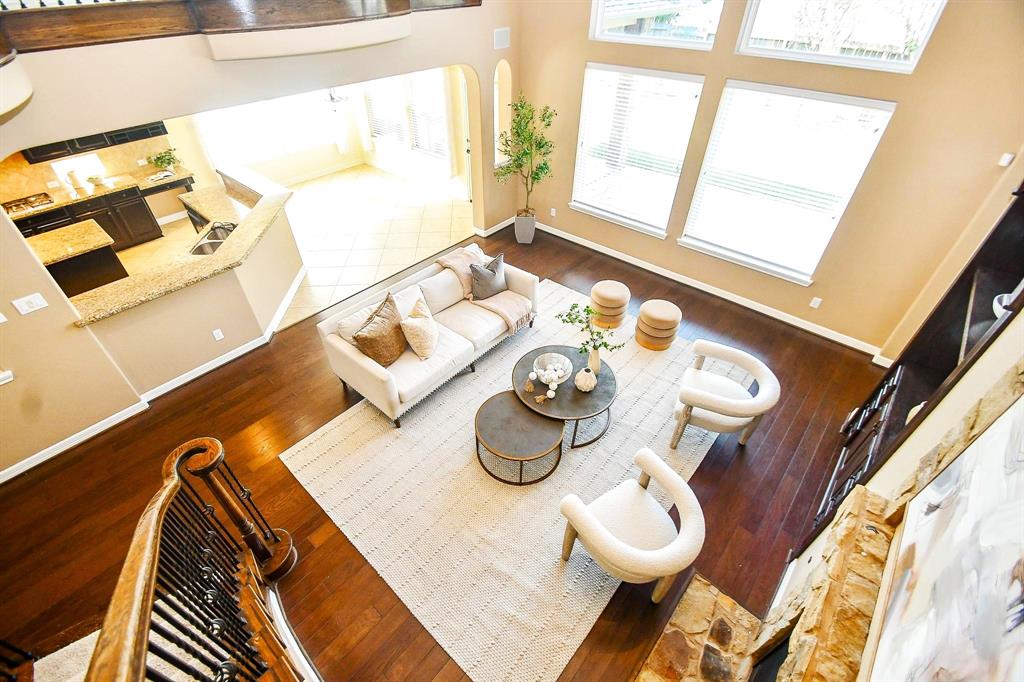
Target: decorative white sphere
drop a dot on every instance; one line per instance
(533, 376)
(549, 367)
(551, 395)
(552, 385)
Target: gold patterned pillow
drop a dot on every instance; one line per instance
(381, 338)
(421, 330)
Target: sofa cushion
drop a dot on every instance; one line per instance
(489, 279)
(413, 376)
(472, 322)
(442, 290)
(381, 338)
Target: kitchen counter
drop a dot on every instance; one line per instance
(66, 196)
(186, 270)
(67, 242)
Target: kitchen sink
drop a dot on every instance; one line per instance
(220, 231)
(205, 248)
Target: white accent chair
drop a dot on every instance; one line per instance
(717, 403)
(630, 535)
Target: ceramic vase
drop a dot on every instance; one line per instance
(594, 361)
(586, 380)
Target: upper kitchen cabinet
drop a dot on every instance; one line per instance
(57, 150)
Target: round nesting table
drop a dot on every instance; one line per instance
(570, 403)
(522, 447)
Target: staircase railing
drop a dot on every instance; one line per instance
(191, 600)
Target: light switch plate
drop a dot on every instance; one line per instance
(815, 302)
(52, 184)
(140, 162)
(218, 335)
(3, 318)
(6, 376)
(502, 38)
(29, 304)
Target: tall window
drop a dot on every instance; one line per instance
(778, 172)
(671, 23)
(502, 108)
(634, 128)
(873, 34)
(410, 112)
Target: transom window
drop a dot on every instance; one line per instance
(779, 171)
(888, 35)
(671, 23)
(634, 128)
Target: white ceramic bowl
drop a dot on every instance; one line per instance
(1000, 304)
(556, 361)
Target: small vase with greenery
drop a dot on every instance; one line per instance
(527, 149)
(596, 338)
(165, 160)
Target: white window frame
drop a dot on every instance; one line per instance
(625, 221)
(753, 262)
(595, 34)
(747, 26)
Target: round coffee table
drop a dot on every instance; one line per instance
(526, 447)
(570, 403)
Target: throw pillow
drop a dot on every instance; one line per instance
(352, 323)
(381, 338)
(420, 330)
(489, 279)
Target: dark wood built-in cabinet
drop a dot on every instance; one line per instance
(124, 215)
(957, 332)
(58, 150)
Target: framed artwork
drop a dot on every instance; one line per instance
(955, 608)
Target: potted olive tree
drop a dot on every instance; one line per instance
(527, 149)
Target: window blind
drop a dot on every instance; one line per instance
(779, 171)
(385, 109)
(428, 113)
(634, 129)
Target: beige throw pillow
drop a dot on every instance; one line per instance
(381, 338)
(420, 330)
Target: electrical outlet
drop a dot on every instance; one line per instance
(553, 213)
(29, 304)
(218, 335)
(141, 162)
(3, 318)
(1006, 159)
(6, 376)
(815, 302)
(52, 184)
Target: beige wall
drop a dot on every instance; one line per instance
(64, 380)
(961, 109)
(184, 138)
(270, 269)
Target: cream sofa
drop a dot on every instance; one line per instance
(466, 331)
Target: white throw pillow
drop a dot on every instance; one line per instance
(442, 290)
(406, 299)
(420, 330)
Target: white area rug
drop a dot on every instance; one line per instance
(475, 560)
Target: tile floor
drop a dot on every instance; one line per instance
(178, 238)
(362, 225)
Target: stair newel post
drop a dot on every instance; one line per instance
(271, 548)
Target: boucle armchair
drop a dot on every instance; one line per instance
(716, 403)
(630, 535)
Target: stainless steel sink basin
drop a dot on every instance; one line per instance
(205, 248)
(219, 233)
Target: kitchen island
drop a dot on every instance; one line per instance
(79, 257)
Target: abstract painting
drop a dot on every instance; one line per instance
(955, 609)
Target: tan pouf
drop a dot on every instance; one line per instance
(661, 314)
(653, 342)
(609, 300)
(656, 333)
(607, 311)
(657, 324)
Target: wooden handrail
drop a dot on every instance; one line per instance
(189, 596)
(53, 28)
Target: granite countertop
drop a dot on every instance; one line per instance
(65, 196)
(186, 269)
(213, 204)
(68, 242)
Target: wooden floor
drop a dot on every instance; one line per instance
(66, 524)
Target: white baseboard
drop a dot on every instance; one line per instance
(488, 231)
(172, 217)
(71, 441)
(293, 289)
(204, 368)
(780, 315)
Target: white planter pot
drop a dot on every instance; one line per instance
(526, 225)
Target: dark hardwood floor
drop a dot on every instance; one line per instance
(66, 524)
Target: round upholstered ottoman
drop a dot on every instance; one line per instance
(609, 299)
(657, 324)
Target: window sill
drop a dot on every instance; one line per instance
(905, 68)
(622, 221)
(745, 260)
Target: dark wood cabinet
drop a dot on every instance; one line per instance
(959, 329)
(124, 215)
(57, 150)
